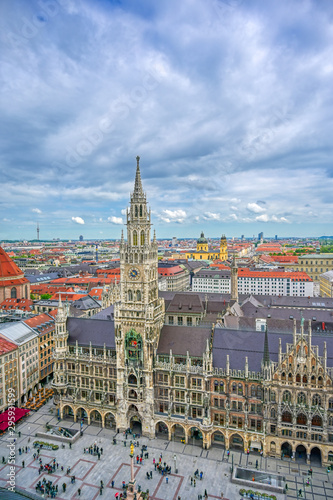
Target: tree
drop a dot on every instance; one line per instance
(45, 296)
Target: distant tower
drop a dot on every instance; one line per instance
(81, 237)
(234, 280)
(223, 248)
(37, 231)
(96, 254)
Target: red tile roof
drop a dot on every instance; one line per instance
(244, 272)
(170, 271)
(6, 346)
(12, 304)
(10, 273)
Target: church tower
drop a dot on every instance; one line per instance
(223, 248)
(139, 317)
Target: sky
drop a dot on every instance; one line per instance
(228, 103)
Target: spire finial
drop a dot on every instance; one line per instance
(137, 161)
(138, 191)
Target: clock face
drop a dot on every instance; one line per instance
(134, 273)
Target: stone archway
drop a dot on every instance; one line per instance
(315, 456)
(68, 413)
(217, 439)
(96, 418)
(136, 425)
(82, 415)
(195, 436)
(161, 430)
(286, 450)
(178, 433)
(109, 421)
(300, 454)
(236, 442)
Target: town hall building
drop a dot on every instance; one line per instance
(130, 366)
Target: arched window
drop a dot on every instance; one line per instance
(330, 421)
(286, 417)
(301, 398)
(259, 392)
(316, 400)
(138, 295)
(130, 295)
(273, 413)
(135, 238)
(234, 388)
(298, 378)
(317, 421)
(221, 386)
(301, 419)
(140, 210)
(253, 391)
(240, 389)
(286, 397)
(273, 396)
(283, 376)
(136, 211)
(305, 379)
(313, 380)
(290, 376)
(142, 238)
(320, 381)
(13, 293)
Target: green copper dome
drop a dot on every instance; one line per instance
(202, 238)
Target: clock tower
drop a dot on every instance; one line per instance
(139, 317)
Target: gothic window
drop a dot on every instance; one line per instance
(135, 238)
(286, 397)
(259, 393)
(317, 421)
(286, 417)
(301, 398)
(138, 295)
(130, 295)
(320, 381)
(273, 396)
(273, 413)
(290, 377)
(298, 378)
(301, 419)
(140, 210)
(330, 403)
(13, 293)
(136, 211)
(316, 400)
(313, 380)
(305, 379)
(142, 238)
(283, 376)
(240, 389)
(253, 391)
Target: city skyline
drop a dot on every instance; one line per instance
(228, 104)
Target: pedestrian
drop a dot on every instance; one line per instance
(101, 491)
(79, 492)
(300, 492)
(286, 487)
(112, 483)
(70, 446)
(167, 480)
(64, 487)
(194, 483)
(191, 481)
(23, 464)
(151, 474)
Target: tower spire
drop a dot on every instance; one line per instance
(138, 191)
(266, 349)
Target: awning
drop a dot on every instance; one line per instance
(255, 444)
(4, 417)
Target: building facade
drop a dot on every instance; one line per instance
(204, 252)
(326, 284)
(195, 382)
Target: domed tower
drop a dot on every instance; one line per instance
(202, 243)
(139, 317)
(223, 248)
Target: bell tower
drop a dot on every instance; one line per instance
(139, 317)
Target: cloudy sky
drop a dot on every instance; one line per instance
(227, 102)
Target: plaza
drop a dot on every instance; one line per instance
(114, 465)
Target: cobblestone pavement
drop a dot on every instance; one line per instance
(114, 465)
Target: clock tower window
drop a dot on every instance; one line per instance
(142, 238)
(130, 295)
(135, 238)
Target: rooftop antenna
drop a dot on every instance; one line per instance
(37, 231)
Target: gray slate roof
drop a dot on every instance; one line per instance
(96, 331)
(182, 339)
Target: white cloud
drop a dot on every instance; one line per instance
(115, 220)
(36, 210)
(78, 220)
(255, 208)
(211, 216)
(124, 211)
(262, 218)
(173, 216)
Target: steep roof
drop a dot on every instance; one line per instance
(9, 271)
(96, 331)
(183, 339)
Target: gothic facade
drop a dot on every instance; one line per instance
(197, 382)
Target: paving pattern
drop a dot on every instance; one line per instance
(114, 465)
